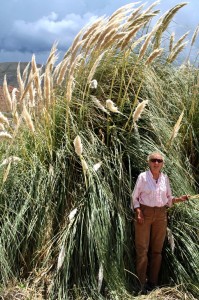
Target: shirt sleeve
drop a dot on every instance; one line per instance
(169, 193)
(136, 193)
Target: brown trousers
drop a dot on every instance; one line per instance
(149, 240)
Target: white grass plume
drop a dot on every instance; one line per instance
(6, 173)
(179, 42)
(7, 94)
(78, 145)
(2, 128)
(100, 277)
(98, 104)
(61, 257)
(195, 34)
(93, 84)
(19, 80)
(4, 135)
(14, 99)
(165, 21)
(172, 56)
(4, 119)
(171, 42)
(72, 214)
(28, 119)
(138, 111)
(171, 239)
(111, 106)
(11, 159)
(176, 127)
(157, 52)
(175, 130)
(84, 165)
(95, 65)
(97, 166)
(126, 8)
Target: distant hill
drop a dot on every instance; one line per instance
(10, 69)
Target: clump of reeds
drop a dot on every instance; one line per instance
(66, 203)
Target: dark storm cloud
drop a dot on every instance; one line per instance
(32, 26)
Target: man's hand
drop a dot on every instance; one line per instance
(140, 217)
(181, 198)
(185, 197)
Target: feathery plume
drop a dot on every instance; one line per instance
(100, 277)
(93, 84)
(6, 173)
(194, 35)
(27, 117)
(95, 65)
(61, 257)
(138, 111)
(62, 70)
(72, 214)
(25, 72)
(91, 28)
(19, 80)
(135, 13)
(98, 103)
(130, 35)
(180, 41)
(2, 128)
(111, 106)
(171, 239)
(97, 166)
(7, 94)
(84, 165)
(151, 6)
(172, 56)
(177, 127)
(4, 119)
(122, 9)
(78, 145)
(14, 99)
(11, 159)
(153, 55)
(52, 57)
(34, 76)
(164, 22)
(47, 87)
(171, 42)
(5, 135)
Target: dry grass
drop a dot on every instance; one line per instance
(168, 293)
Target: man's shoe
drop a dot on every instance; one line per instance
(150, 286)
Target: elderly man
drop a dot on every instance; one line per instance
(150, 198)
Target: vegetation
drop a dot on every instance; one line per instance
(78, 136)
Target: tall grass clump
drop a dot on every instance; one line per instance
(77, 137)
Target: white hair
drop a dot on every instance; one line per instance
(153, 153)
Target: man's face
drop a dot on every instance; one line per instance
(156, 162)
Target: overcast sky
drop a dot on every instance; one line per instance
(32, 26)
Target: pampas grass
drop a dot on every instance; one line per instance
(66, 203)
(5, 135)
(4, 119)
(154, 55)
(7, 94)
(78, 145)
(111, 106)
(28, 119)
(176, 129)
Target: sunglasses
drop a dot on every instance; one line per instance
(156, 159)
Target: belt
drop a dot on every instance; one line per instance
(153, 207)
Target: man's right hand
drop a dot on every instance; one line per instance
(140, 217)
